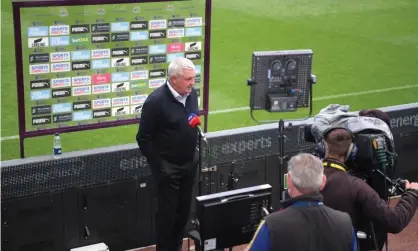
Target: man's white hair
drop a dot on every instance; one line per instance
(306, 172)
(177, 65)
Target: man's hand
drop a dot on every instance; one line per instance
(413, 185)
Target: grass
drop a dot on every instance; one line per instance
(358, 46)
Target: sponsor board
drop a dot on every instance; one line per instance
(157, 49)
(139, 60)
(80, 65)
(138, 99)
(80, 40)
(100, 89)
(120, 111)
(81, 80)
(40, 84)
(82, 90)
(139, 25)
(82, 115)
(155, 83)
(42, 120)
(194, 32)
(59, 41)
(139, 50)
(118, 37)
(102, 113)
(176, 23)
(198, 69)
(100, 38)
(173, 56)
(38, 69)
(120, 52)
(138, 85)
(100, 63)
(59, 30)
(61, 118)
(40, 94)
(102, 27)
(40, 31)
(60, 93)
(60, 67)
(103, 78)
(157, 59)
(138, 35)
(136, 109)
(120, 62)
(193, 46)
(157, 34)
(120, 87)
(60, 82)
(38, 58)
(80, 55)
(81, 105)
(193, 55)
(175, 33)
(80, 28)
(193, 21)
(40, 110)
(62, 108)
(38, 42)
(139, 75)
(60, 56)
(100, 53)
(120, 26)
(120, 76)
(158, 73)
(101, 103)
(120, 101)
(176, 47)
(157, 24)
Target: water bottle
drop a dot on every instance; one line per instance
(57, 146)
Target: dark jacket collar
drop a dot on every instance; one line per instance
(312, 197)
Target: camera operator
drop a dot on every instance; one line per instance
(369, 213)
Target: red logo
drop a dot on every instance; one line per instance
(177, 47)
(100, 78)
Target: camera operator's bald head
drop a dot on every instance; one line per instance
(339, 143)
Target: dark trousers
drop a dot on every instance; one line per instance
(174, 185)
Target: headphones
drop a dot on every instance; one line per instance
(322, 149)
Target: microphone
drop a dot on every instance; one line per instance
(194, 122)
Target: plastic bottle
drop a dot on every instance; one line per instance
(57, 147)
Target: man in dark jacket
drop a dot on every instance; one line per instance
(305, 223)
(350, 194)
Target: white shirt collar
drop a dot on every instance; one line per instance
(177, 96)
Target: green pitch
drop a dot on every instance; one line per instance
(365, 55)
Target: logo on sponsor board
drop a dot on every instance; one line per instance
(176, 47)
(80, 55)
(159, 73)
(139, 25)
(59, 41)
(176, 23)
(139, 60)
(82, 105)
(103, 78)
(120, 101)
(39, 110)
(175, 33)
(42, 120)
(118, 37)
(120, 111)
(102, 27)
(120, 52)
(194, 32)
(40, 31)
(59, 30)
(193, 21)
(80, 28)
(99, 89)
(193, 55)
(82, 90)
(139, 75)
(38, 68)
(101, 103)
(120, 62)
(100, 63)
(60, 67)
(139, 50)
(157, 59)
(138, 99)
(100, 38)
(61, 108)
(193, 46)
(101, 113)
(60, 118)
(120, 26)
(120, 76)
(157, 34)
(60, 93)
(120, 87)
(38, 42)
(40, 84)
(80, 65)
(138, 35)
(81, 80)
(101, 53)
(40, 94)
(38, 58)
(155, 83)
(60, 56)
(60, 82)
(157, 24)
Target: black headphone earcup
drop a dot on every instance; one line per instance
(321, 149)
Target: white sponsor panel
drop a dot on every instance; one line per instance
(101, 103)
(82, 90)
(119, 101)
(120, 62)
(38, 42)
(138, 99)
(193, 21)
(120, 111)
(81, 80)
(60, 56)
(157, 24)
(60, 82)
(193, 46)
(120, 87)
(155, 83)
(136, 109)
(60, 67)
(173, 33)
(99, 89)
(59, 30)
(101, 53)
(139, 75)
(38, 68)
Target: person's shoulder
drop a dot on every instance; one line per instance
(339, 215)
(157, 95)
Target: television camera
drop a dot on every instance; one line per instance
(374, 160)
